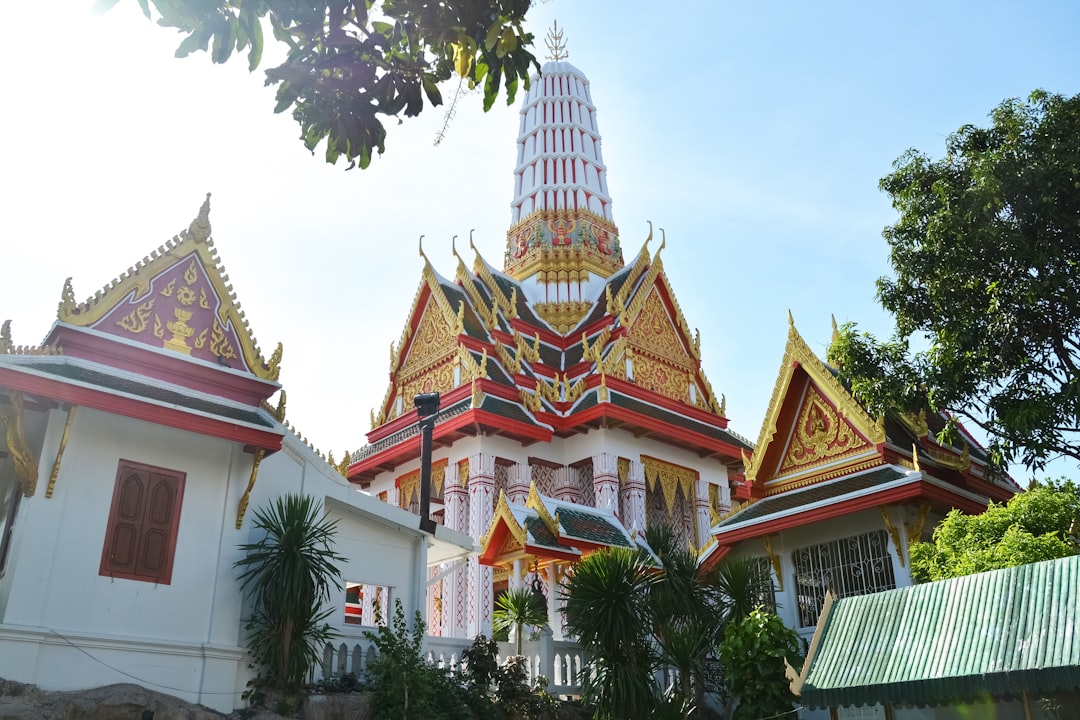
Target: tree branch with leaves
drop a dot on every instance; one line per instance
(352, 64)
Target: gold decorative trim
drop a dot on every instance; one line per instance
(11, 417)
(7, 347)
(536, 502)
(915, 529)
(774, 560)
(60, 451)
(670, 477)
(812, 479)
(894, 534)
(241, 509)
(915, 423)
(798, 353)
(505, 514)
(948, 459)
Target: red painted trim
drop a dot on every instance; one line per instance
(169, 367)
(138, 409)
(545, 552)
(716, 557)
(637, 392)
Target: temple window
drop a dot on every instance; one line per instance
(140, 537)
(366, 604)
(856, 565)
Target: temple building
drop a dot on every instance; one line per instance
(575, 412)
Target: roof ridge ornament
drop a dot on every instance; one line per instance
(555, 43)
(199, 230)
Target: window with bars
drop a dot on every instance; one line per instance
(766, 598)
(856, 565)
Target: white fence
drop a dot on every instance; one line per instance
(560, 661)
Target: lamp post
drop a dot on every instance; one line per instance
(427, 408)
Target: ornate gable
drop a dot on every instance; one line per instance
(819, 435)
(812, 419)
(178, 299)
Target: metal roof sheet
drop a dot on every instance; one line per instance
(992, 635)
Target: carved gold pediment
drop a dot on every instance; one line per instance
(177, 298)
(819, 434)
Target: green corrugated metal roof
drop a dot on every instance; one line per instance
(992, 635)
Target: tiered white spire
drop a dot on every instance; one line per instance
(559, 163)
(562, 241)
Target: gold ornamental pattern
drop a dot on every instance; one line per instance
(432, 342)
(652, 332)
(820, 433)
(661, 378)
(670, 477)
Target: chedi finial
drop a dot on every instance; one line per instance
(555, 43)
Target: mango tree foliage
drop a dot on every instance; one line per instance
(1038, 524)
(986, 255)
(352, 63)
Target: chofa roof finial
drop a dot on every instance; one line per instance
(199, 230)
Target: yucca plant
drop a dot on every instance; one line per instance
(288, 575)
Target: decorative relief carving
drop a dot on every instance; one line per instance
(11, 417)
(60, 451)
(670, 477)
(653, 332)
(432, 343)
(819, 434)
(661, 378)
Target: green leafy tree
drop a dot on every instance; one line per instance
(288, 574)
(350, 64)
(986, 255)
(754, 650)
(1039, 524)
(517, 608)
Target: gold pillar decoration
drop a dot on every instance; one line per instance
(915, 529)
(915, 456)
(60, 452)
(259, 455)
(11, 417)
(463, 472)
(774, 560)
(894, 533)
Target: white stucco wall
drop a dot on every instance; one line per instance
(64, 626)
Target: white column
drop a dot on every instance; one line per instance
(519, 477)
(481, 487)
(455, 596)
(554, 603)
(606, 481)
(515, 576)
(567, 487)
(634, 497)
(702, 516)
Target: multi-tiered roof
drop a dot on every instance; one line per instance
(564, 338)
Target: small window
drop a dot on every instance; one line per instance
(366, 604)
(140, 539)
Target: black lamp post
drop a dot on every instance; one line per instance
(427, 408)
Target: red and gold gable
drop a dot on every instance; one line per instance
(179, 310)
(819, 435)
(176, 299)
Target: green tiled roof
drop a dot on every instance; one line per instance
(542, 536)
(590, 526)
(992, 635)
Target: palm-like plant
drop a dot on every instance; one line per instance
(517, 608)
(289, 573)
(605, 610)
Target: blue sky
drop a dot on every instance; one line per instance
(754, 133)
